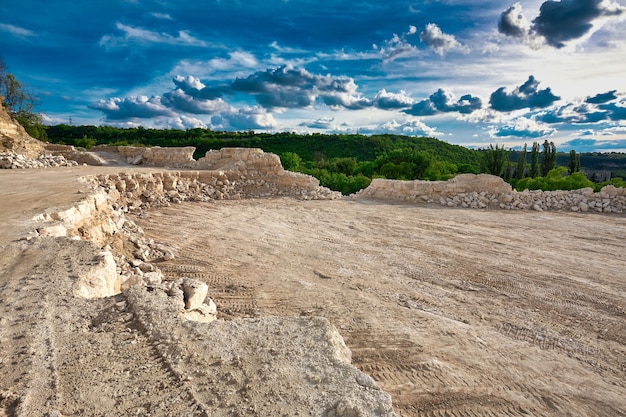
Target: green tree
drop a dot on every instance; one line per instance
(495, 159)
(574, 162)
(291, 161)
(548, 157)
(520, 170)
(534, 160)
(15, 98)
(20, 103)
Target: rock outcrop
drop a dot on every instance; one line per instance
(13, 137)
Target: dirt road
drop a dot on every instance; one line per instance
(453, 312)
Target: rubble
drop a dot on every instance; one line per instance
(490, 192)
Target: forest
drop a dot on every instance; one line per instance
(348, 162)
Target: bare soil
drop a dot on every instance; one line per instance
(453, 312)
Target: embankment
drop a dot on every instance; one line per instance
(490, 192)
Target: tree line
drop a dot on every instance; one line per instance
(539, 170)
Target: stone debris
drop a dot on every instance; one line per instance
(490, 192)
(12, 160)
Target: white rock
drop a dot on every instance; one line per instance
(194, 292)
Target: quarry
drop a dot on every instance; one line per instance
(139, 281)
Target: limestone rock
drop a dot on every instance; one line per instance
(194, 292)
(102, 279)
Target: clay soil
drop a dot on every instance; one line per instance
(453, 312)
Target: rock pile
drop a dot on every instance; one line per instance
(488, 191)
(135, 192)
(12, 160)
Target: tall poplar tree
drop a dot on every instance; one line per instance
(548, 158)
(534, 160)
(520, 170)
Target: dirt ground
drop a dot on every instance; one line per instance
(454, 312)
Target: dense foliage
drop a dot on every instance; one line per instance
(348, 162)
(344, 162)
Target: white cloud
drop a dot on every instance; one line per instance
(144, 36)
(244, 119)
(522, 127)
(135, 107)
(390, 101)
(181, 101)
(161, 16)
(16, 30)
(433, 36)
(397, 46)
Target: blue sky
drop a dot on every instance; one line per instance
(472, 73)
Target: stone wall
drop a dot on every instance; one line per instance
(488, 191)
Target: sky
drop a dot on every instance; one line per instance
(471, 73)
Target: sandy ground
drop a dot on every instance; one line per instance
(453, 312)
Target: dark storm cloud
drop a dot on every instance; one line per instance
(443, 101)
(527, 95)
(602, 97)
(558, 21)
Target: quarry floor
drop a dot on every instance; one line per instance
(454, 312)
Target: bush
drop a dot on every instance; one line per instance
(555, 180)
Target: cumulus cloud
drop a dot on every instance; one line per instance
(392, 101)
(246, 118)
(324, 123)
(527, 95)
(522, 127)
(181, 101)
(181, 122)
(137, 35)
(441, 42)
(397, 46)
(444, 101)
(136, 107)
(513, 23)
(408, 127)
(574, 113)
(559, 22)
(289, 87)
(195, 88)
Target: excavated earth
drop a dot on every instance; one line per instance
(453, 312)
